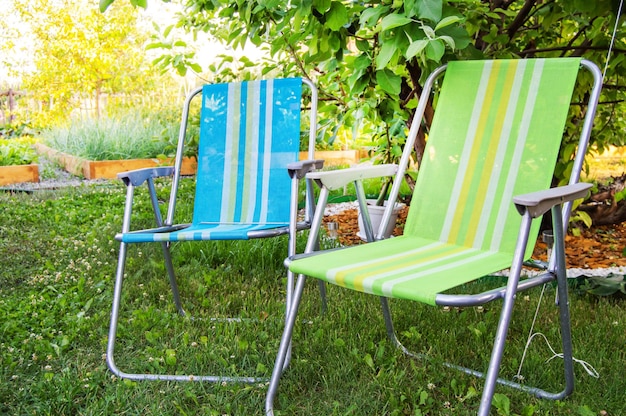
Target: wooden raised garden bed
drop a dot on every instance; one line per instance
(107, 169)
(337, 157)
(19, 174)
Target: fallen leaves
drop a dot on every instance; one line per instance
(596, 247)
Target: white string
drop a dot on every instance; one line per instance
(530, 335)
(608, 55)
(588, 367)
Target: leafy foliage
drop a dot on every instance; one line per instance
(17, 151)
(16, 129)
(368, 58)
(81, 54)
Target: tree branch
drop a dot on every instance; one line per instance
(521, 17)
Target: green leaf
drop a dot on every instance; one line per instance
(339, 342)
(170, 356)
(429, 32)
(529, 410)
(369, 17)
(168, 30)
(449, 41)
(435, 50)
(195, 68)
(416, 48)
(602, 286)
(584, 5)
(261, 368)
(141, 3)
(337, 16)
(502, 403)
(362, 45)
(321, 6)
(387, 50)
(157, 45)
(619, 196)
(447, 21)
(585, 411)
(357, 82)
(584, 217)
(361, 62)
(388, 81)
(104, 5)
(423, 397)
(369, 361)
(430, 10)
(394, 20)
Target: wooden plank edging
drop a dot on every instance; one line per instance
(108, 169)
(19, 174)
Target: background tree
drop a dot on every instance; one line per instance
(369, 58)
(80, 53)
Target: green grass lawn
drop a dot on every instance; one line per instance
(58, 260)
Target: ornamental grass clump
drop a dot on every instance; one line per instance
(130, 136)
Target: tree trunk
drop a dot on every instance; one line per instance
(602, 207)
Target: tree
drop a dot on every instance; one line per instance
(81, 53)
(368, 57)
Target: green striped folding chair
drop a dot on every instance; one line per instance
(485, 176)
(246, 183)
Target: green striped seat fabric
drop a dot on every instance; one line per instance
(496, 133)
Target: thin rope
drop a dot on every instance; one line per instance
(588, 367)
(608, 54)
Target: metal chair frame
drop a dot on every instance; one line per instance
(133, 179)
(530, 206)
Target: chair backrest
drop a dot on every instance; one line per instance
(249, 133)
(496, 133)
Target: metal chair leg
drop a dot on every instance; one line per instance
(117, 295)
(284, 348)
(172, 277)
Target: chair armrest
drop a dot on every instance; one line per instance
(301, 168)
(139, 176)
(337, 179)
(538, 203)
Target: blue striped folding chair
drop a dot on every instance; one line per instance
(484, 179)
(246, 184)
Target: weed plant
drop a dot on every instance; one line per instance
(56, 280)
(127, 136)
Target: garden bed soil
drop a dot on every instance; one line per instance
(596, 247)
